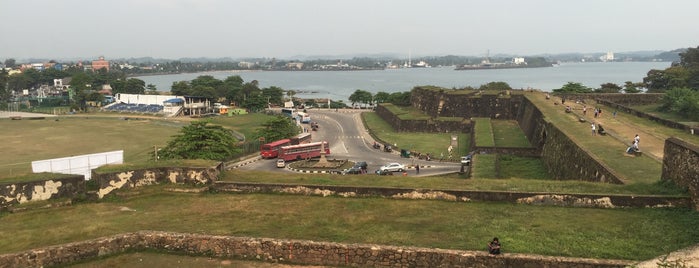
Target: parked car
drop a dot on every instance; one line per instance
(466, 160)
(353, 170)
(383, 172)
(393, 167)
(281, 163)
(363, 165)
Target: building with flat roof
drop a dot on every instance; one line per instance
(99, 64)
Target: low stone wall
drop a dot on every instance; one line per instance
(620, 98)
(302, 252)
(109, 182)
(22, 192)
(663, 121)
(681, 165)
(568, 200)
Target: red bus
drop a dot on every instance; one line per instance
(271, 150)
(303, 151)
(301, 138)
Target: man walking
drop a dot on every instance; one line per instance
(593, 129)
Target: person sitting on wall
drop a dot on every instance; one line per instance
(494, 246)
(600, 130)
(568, 110)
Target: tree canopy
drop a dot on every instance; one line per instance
(200, 141)
(684, 74)
(573, 87)
(280, 127)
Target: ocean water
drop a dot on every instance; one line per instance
(339, 85)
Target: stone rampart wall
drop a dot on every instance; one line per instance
(466, 105)
(557, 149)
(300, 252)
(681, 165)
(109, 182)
(22, 192)
(569, 200)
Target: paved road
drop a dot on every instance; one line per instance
(349, 139)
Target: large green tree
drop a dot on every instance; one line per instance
(608, 88)
(573, 87)
(495, 86)
(280, 127)
(361, 96)
(201, 141)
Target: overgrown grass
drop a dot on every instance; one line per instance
(483, 132)
(512, 166)
(433, 143)
(34, 177)
(507, 133)
(634, 234)
(483, 166)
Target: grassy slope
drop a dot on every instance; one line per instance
(635, 234)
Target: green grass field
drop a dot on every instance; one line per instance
(634, 234)
(483, 132)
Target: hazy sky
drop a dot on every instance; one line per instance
(286, 28)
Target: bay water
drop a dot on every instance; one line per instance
(339, 85)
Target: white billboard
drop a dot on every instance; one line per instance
(78, 165)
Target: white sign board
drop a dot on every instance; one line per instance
(78, 165)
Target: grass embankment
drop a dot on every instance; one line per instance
(507, 133)
(634, 234)
(653, 109)
(606, 149)
(483, 132)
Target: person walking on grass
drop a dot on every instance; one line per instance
(593, 129)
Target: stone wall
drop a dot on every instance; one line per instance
(681, 165)
(22, 192)
(109, 182)
(300, 252)
(466, 104)
(568, 200)
(430, 125)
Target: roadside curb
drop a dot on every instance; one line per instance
(234, 165)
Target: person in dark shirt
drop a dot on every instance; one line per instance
(494, 246)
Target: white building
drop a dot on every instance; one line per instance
(518, 61)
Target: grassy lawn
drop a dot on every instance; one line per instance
(484, 166)
(29, 140)
(634, 234)
(483, 132)
(432, 143)
(507, 133)
(150, 259)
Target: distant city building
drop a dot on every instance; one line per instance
(294, 65)
(99, 64)
(608, 57)
(246, 65)
(518, 61)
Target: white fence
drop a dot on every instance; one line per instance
(78, 165)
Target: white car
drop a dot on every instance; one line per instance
(280, 163)
(393, 167)
(466, 160)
